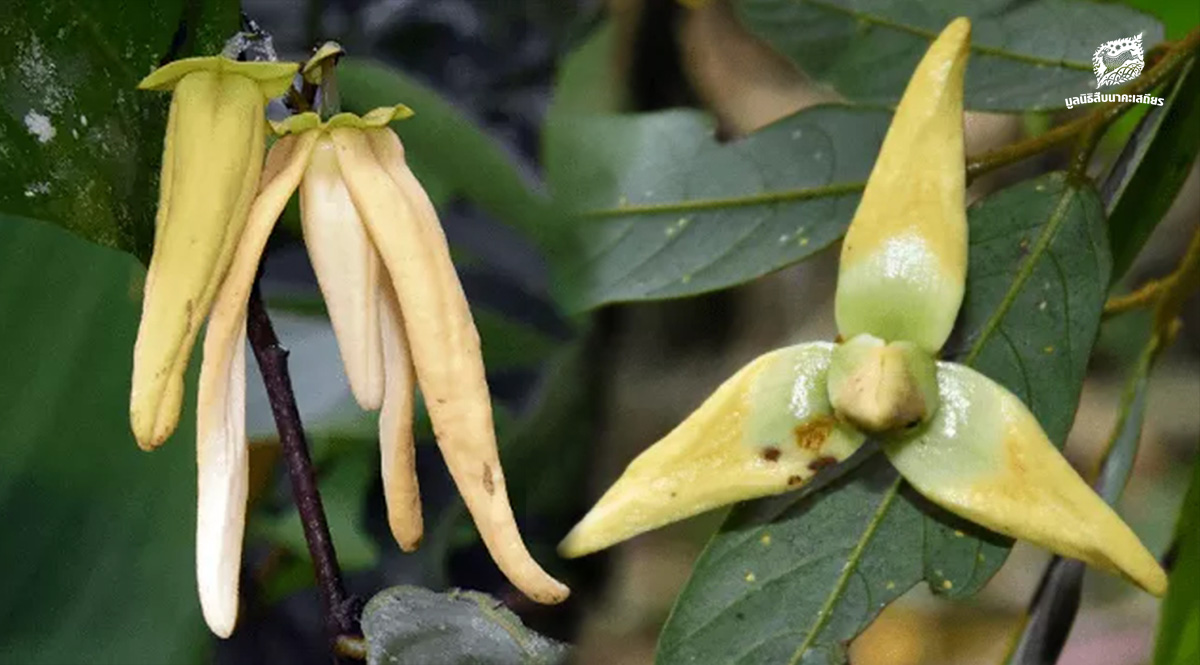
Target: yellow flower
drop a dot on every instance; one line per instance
(400, 318)
(212, 156)
(959, 438)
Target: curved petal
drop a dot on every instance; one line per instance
(984, 457)
(904, 260)
(221, 456)
(397, 447)
(347, 269)
(766, 430)
(223, 465)
(212, 158)
(444, 343)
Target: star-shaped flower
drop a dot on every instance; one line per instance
(959, 438)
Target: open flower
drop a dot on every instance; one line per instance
(400, 318)
(958, 437)
(212, 156)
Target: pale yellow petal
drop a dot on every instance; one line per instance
(223, 465)
(397, 445)
(347, 269)
(766, 430)
(221, 455)
(904, 259)
(211, 163)
(984, 457)
(443, 341)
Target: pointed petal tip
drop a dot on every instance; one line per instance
(765, 431)
(984, 457)
(579, 542)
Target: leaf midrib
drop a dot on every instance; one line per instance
(701, 205)
(851, 566)
(930, 35)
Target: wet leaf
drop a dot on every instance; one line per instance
(79, 145)
(1025, 56)
(793, 578)
(98, 544)
(667, 211)
(417, 626)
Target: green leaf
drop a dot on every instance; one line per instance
(417, 626)
(1151, 169)
(1025, 56)
(1179, 628)
(668, 212)
(791, 579)
(98, 545)
(80, 146)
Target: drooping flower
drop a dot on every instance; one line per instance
(212, 157)
(958, 437)
(400, 318)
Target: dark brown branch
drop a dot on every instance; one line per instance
(340, 612)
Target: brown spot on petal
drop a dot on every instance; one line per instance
(771, 454)
(794, 480)
(811, 435)
(821, 463)
(489, 483)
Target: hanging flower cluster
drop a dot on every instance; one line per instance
(383, 265)
(959, 438)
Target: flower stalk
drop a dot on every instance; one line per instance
(340, 614)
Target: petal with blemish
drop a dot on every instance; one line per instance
(397, 446)
(347, 269)
(904, 259)
(443, 341)
(212, 158)
(221, 454)
(985, 457)
(766, 430)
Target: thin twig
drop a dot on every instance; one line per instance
(339, 609)
(1167, 294)
(1097, 120)
(1145, 296)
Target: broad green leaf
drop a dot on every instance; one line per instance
(793, 578)
(97, 549)
(1151, 169)
(667, 211)
(417, 626)
(80, 146)
(1025, 56)
(1179, 628)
